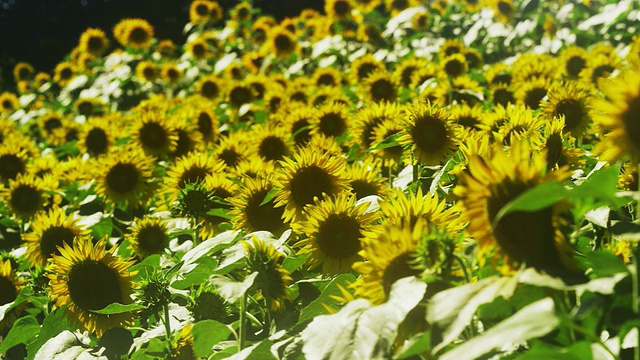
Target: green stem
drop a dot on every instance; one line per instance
(588, 334)
(167, 323)
(635, 292)
(464, 268)
(243, 316)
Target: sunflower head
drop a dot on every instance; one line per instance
(572, 101)
(86, 277)
(23, 72)
(155, 132)
(147, 71)
(455, 65)
(207, 304)
(330, 120)
(50, 231)
(281, 42)
(309, 174)
(8, 102)
(249, 211)
(153, 293)
(380, 86)
(134, 33)
(272, 280)
(64, 73)
(334, 230)
(94, 41)
(430, 133)
(10, 287)
(148, 236)
(28, 194)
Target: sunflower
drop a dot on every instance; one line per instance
(328, 76)
(628, 178)
(207, 304)
(334, 228)
(63, 73)
(23, 72)
(394, 7)
(45, 166)
(93, 41)
(617, 115)
(198, 48)
(280, 42)
(170, 73)
(207, 123)
(221, 189)
(529, 237)
(251, 214)
(189, 137)
(454, 65)
(393, 154)
(148, 236)
(10, 287)
(404, 71)
(134, 33)
(365, 180)
(338, 9)
(154, 131)
(272, 280)
(502, 94)
(380, 86)
(166, 48)
(204, 11)
(573, 59)
(572, 101)
(28, 194)
(271, 143)
(232, 150)
(331, 120)
(366, 6)
(532, 92)
(600, 66)
(86, 278)
(430, 133)
(390, 251)
(209, 87)
(370, 117)
(308, 174)
(89, 106)
(364, 66)
(469, 118)
(13, 160)
(499, 73)
(503, 10)
(49, 231)
(253, 167)
(239, 93)
(188, 170)
(298, 122)
(521, 123)
(561, 149)
(8, 102)
(124, 176)
(147, 71)
(420, 21)
(97, 134)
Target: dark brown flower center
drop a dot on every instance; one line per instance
(309, 182)
(122, 178)
(93, 285)
(53, 237)
(96, 141)
(339, 236)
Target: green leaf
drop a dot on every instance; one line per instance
(117, 308)
(269, 196)
(387, 142)
(537, 198)
(577, 351)
(102, 228)
(22, 332)
(316, 308)
(231, 290)
(53, 324)
(147, 265)
(204, 268)
(258, 351)
(534, 320)
(419, 344)
(206, 334)
(606, 264)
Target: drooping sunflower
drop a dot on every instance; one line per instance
(561, 147)
(390, 251)
(380, 86)
(94, 41)
(124, 176)
(306, 175)
(272, 280)
(28, 194)
(529, 237)
(86, 277)
(49, 231)
(207, 123)
(334, 228)
(134, 33)
(10, 287)
(393, 154)
(154, 132)
(64, 73)
(331, 120)
(617, 116)
(280, 42)
(430, 133)
(251, 214)
(572, 101)
(148, 236)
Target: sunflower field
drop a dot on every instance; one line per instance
(397, 179)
